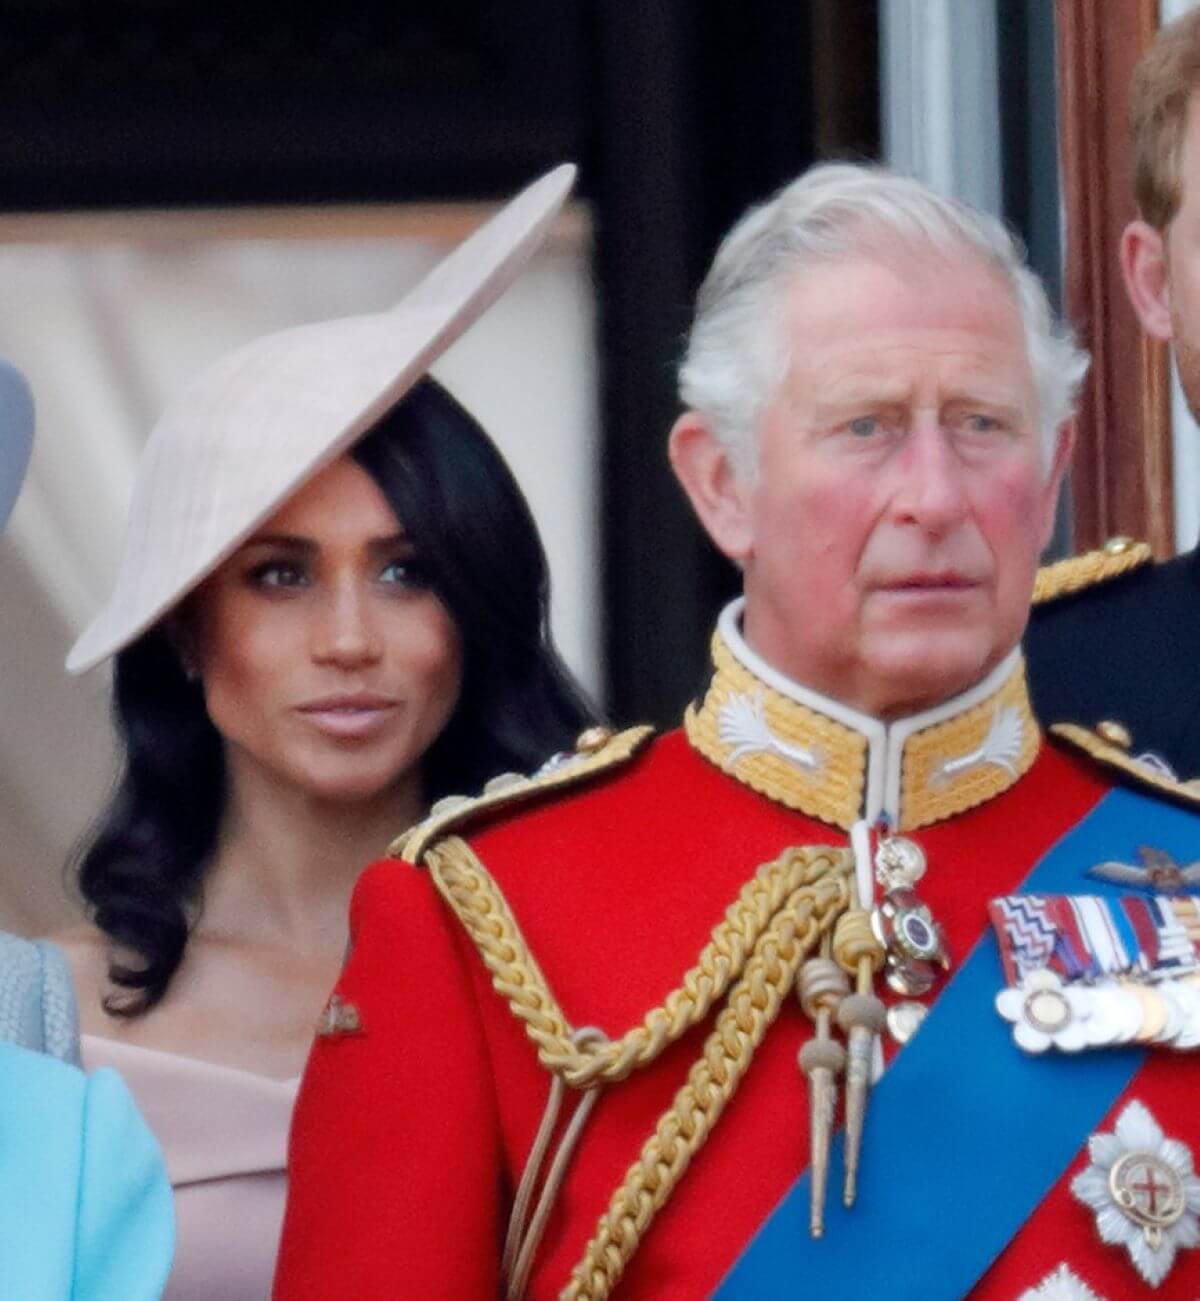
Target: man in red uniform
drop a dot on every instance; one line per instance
(562, 1058)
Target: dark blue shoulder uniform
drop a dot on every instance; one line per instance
(1115, 637)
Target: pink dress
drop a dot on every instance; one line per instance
(224, 1134)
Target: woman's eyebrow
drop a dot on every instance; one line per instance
(284, 541)
(298, 545)
(391, 542)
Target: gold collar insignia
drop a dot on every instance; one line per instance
(813, 754)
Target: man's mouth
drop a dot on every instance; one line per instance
(932, 581)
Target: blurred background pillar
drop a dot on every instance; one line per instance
(1122, 476)
(941, 96)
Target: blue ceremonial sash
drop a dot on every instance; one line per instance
(965, 1133)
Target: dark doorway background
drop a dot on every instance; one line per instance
(679, 113)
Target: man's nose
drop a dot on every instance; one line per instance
(931, 492)
(345, 631)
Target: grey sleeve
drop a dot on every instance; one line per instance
(38, 1008)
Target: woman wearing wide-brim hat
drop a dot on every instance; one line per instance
(87, 1203)
(330, 611)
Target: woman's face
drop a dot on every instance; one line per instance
(326, 662)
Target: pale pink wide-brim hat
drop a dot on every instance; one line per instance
(237, 443)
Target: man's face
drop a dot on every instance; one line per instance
(1183, 264)
(894, 526)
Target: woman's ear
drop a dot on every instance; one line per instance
(716, 487)
(180, 629)
(1144, 266)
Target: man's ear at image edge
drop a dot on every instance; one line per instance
(1064, 449)
(1144, 266)
(720, 496)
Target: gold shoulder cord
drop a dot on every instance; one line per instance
(1106, 745)
(775, 923)
(1063, 578)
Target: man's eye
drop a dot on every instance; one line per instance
(278, 573)
(864, 426)
(979, 422)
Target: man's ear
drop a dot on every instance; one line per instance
(1144, 266)
(1064, 448)
(719, 494)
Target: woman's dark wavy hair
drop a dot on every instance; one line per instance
(141, 873)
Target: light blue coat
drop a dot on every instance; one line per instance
(85, 1206)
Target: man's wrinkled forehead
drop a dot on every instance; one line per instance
(855, 321)
(878, 379)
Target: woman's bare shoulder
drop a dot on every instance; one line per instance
(80, 939)
(86, 952)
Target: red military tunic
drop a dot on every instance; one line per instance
(413, 1126)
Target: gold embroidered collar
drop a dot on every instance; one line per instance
(813, 754)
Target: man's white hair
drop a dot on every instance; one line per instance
(738, 351)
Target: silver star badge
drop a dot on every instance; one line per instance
(1061, 1285)
(1144, 1191)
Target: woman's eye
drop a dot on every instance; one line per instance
(278, 573)
(403, 573)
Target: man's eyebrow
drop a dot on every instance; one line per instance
(849, 389)
(989, 391)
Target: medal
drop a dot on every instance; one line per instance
(1116, 1015)
(1046, 1013)
(1143, 1189)
(903, 923)
(904, 1020)
(1090, 972)
(1186, 994)
(899, 861)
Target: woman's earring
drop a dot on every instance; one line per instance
(179, 635)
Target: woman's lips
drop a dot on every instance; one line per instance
(349, 717)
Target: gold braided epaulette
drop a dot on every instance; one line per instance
(1063, 578)
(1110, 745)
(597, 750)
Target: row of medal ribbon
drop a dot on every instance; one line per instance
(1086, 971)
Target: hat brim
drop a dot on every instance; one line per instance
(240, 420)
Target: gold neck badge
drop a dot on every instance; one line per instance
(811, 753)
